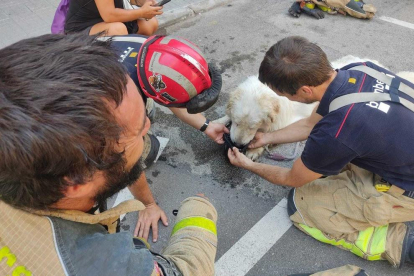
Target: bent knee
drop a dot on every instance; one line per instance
(117, 28)
(149, 27)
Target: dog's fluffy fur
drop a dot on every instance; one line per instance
(253, 107)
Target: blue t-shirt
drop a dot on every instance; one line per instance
(376, 136)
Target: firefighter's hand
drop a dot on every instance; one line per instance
(295, 10)
(260, 139)
(317, 13)
(215, 132)
(238, 159)
(148, 218)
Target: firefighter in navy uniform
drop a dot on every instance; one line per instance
(359, 137)
(174, 73)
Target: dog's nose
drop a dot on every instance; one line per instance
(237, 144)
(240, 145)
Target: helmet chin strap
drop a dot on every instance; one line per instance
(141, 65)
(208, 97)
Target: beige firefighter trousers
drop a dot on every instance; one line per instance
(345, 205)
(193, 243)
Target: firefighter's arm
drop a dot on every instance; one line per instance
(214, 131)
(297, 176)
(295, 132)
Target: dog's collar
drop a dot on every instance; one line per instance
(228, 143)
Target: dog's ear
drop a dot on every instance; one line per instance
(270, 106)
(273, 110)
(229, 106)
(233, 97)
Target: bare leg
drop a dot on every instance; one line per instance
(147, 27)
(115, 28)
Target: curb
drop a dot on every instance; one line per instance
(191, 10)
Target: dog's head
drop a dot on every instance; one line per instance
(252, 107)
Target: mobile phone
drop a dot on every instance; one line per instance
(162, 3)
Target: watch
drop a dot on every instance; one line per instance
(205, 125)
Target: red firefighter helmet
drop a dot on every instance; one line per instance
(172, 70)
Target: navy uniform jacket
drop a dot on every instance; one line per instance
(376, 136)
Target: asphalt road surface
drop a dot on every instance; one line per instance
(255, 237)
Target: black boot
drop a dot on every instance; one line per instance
(407, 254)
(291, 207)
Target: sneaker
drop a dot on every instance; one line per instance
(150, 152)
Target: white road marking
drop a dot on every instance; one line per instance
(122, 196)
(397, 22)
(247, 251)
(163, 144)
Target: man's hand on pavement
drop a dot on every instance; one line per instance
(238, 159)
(149, 218)
(215, 132)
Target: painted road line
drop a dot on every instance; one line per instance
(163, 144)
(247, 251)
(122, 196)
(397, 22)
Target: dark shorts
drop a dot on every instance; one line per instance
(132, 27)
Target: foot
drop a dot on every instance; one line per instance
(254, 154)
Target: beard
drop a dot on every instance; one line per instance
(116, 180)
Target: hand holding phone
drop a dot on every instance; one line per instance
(162, 3)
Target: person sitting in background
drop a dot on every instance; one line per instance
(109, 16)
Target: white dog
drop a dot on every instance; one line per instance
(253, 107)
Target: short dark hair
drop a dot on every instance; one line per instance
(292, 63)
(56, 122)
